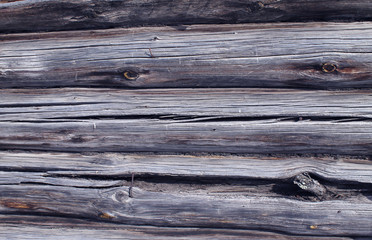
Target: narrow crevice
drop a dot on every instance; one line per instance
(71, 186)
(208, 118)
(21, 105)
(136, 117)
(284, 118)
(113, 86)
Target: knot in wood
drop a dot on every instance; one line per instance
(130, 75)
(305, 182)
(256, 6)
(329, 67)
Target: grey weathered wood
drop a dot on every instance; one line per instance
(52, 15)
(334, 218)
(109, 231)
(184, 104)
(39, 165)
(159, 135)
(294, 55)
(174, 191)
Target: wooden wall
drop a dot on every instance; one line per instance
(160, 119)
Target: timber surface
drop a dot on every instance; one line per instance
(54, 15)
(325, 56)
(177, 120)
(189, 191)
(188, 120)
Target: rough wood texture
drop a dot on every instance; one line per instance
(157, 135)
(116, 165)
(232, 121)
(162, 194)
(12, 232)
(52, 15)
(218, 131)
(185, 104)
(326, 56)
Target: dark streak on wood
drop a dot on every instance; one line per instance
(28, 16)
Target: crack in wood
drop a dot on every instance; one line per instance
(219, 186)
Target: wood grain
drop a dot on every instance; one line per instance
(334, 217)
(326, 56)
(157, 127)
(52, 15)
(344, 169)
(185, 104)
(116, 231)
(157, 135)
(187, 120)
(185, 191)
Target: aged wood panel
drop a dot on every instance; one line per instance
(351, 216)
(52, 15)
(119, 165)
(187, 120)
(159, 135)
(64, 189)
(326, 56)
(184, 104)
(76, 232)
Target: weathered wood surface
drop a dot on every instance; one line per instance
(163, 194)
(231, 136)
(185, 104)
(298, 55)
(116, 165)
(187, 120)
(12, 232)
(52, 15)
(169, 135)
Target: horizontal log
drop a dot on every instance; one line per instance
(57, 190)
(20, 167)
(29, 232)
(186, 120)
(117, 164)
(325, 56)
(332, 218)
(51, 15)
(184, 104)
(159, 135)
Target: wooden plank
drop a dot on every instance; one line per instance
(38, 165)
(13, 232)
(326, 56)
(180, 194)
(184, 104)
(159, 135)
(334, 217)
(51, 15)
